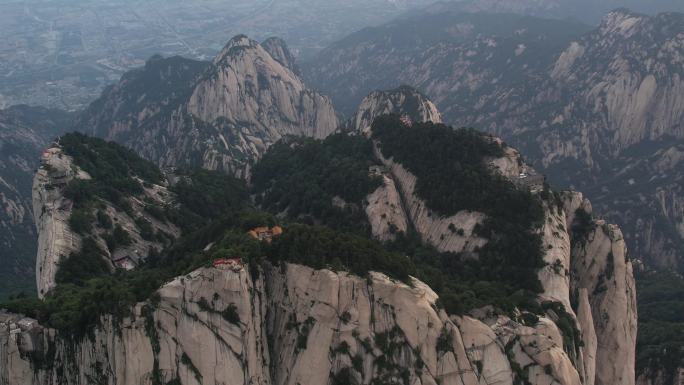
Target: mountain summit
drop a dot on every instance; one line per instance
(221, 115)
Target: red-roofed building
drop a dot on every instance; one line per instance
(234, 264)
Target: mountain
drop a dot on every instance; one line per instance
(24, 132)
(177, 112)
(586, 10)
(404, 101)
(221, 115)
(525, 288)
(597, 109)
(446, 54)
(419, 192)
(96, 206)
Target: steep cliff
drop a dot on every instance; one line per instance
(545, 296)
(24, 132)
(221, 115)
(591, 274)
(71, 207)
(400, 207)
(288, 325)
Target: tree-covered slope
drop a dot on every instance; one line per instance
(329, 182)
(660, 345)
(333, 292)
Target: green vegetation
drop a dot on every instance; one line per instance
(75, 309)
(452, 175)
(444, 342)
(81, 221)
(303, 175)
(303, 338)
(450, 166)
(465, 283)
(103, 220)
(114, 172)
(83, 265)
(112, 168)
(582, 225)
(321, 247)
(87, 292)
(231, 315)
(86, 289)
(660, 341)
(185, 360)
(572, 338)
(205, 196)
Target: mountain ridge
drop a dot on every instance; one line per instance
(353, 321)
(578, 103)
(229, 110)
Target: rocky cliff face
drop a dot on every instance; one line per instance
(601, 271)
(24, 132)
(58, 240)
(395, 206)
(220, 115)
(591, 108)
(277, 48)
(291, 325)
(587, 270)
(403, 101)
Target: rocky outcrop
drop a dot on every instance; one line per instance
(588, 273)
(601, 268)
(289, 325)
(385, 210)
(386, 207)
(403, 101)
(637, 100)
(57, 240)
(399, 206)
(24, 132)
(221, 115)
(452, 234)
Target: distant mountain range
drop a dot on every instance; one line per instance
(588, 11)
(600, 108)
